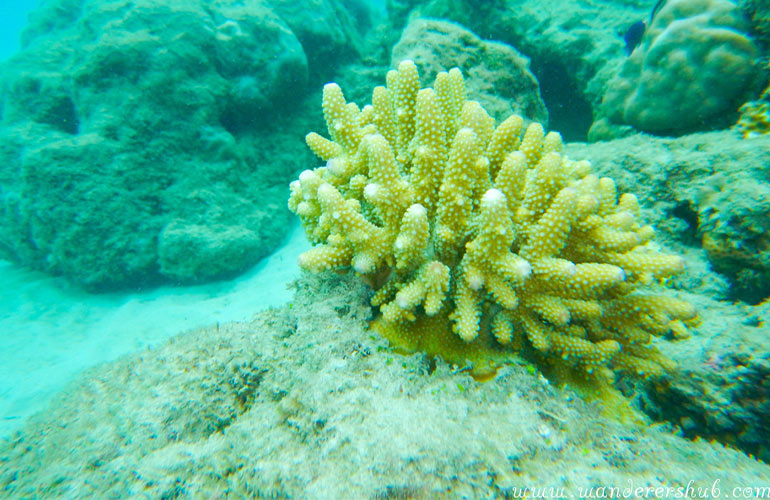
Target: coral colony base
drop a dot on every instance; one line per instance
(481, 241)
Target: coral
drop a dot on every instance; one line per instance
(708, 190)
(693, 69)
(476, 236)
(755, 116)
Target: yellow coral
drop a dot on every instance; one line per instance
(490, 230)
(755, 117)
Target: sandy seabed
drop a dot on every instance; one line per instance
(50, 331)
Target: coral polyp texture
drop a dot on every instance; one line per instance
(477, 238)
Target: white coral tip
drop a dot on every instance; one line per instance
(325, 190)
(306, 175)
(493, 196)
(363, 264)
(370, 191)
(417, 210)
(336, 166)
(476, 281)
(523, 269)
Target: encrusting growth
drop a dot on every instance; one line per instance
(480, 236)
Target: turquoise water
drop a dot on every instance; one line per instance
(13, 18)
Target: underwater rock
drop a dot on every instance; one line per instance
(574, 46)
(693, 69)
(305, 402)
(497, 75)
(191, 252)
(722, 389)
(327, 30)
(120, 118)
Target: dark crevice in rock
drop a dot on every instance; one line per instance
(569, 111)
(699, 414)
(689, 214)
(63, 117)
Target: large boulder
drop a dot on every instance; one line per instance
(693, 69)
(574, 47)
(151, 140)
(497, 75)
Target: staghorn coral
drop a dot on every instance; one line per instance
(476, 236)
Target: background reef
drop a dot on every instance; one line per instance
(150, 141)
